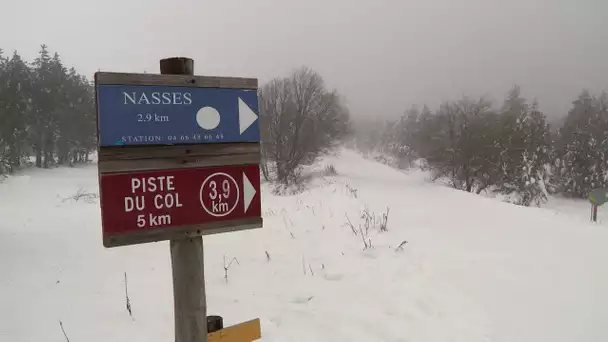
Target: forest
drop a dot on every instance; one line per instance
(47, 117)
(511, 150)
(47, 113)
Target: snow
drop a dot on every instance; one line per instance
(473, 268)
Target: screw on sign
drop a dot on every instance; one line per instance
(219, 194)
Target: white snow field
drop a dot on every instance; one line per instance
(474, 268)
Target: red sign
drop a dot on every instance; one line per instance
(142, 201)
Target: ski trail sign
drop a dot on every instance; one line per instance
(153, 204)
(178, 156)
(168, 110)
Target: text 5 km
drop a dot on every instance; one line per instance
(153, 220)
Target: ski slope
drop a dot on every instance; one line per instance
(473, 268)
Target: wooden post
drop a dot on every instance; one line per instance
(594, 213)
(190, 305)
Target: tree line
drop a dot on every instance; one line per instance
(47, 113)
(510, 150)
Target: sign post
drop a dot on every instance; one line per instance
(597, 197)
(187, 255)
(178, 159)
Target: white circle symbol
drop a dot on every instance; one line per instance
(208, 118)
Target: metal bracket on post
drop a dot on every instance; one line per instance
(214, 323)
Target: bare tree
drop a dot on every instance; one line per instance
(300, 121)
(463, 148)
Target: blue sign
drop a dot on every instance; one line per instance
(164, 115)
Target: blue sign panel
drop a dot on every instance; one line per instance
(163, 115)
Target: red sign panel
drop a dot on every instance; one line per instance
(139, 201)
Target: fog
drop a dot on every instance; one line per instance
(382, 55)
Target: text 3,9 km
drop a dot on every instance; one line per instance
(225, 187)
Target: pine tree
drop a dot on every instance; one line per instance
(40, 120)
(404, 144)
(425, 134)
(76, 121)
(45, 110)
(582, 144)
(3, 104)
(532, 182)
(511, 140)
(524, 144)
(16, 104)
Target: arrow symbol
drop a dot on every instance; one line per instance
(246, 116)
(248, 192)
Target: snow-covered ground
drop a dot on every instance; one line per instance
(474, 268)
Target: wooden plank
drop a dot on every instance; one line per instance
(116, 78)
(243, 332)
(108, 167)
(167, 233)
(145, 158)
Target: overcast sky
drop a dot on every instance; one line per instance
(382, 55)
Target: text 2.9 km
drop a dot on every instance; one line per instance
(152, 117)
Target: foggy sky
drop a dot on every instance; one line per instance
(382, 55)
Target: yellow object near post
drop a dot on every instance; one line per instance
(243, 332)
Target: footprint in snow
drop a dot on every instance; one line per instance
(423, 307)
(333, 277)
(302, 300)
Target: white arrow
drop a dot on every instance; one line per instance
(246, 116)
(248, 192)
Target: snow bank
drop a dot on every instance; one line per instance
(473, 268)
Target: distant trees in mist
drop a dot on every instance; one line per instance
(47, 117)
(46, 112)
(511, 149)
